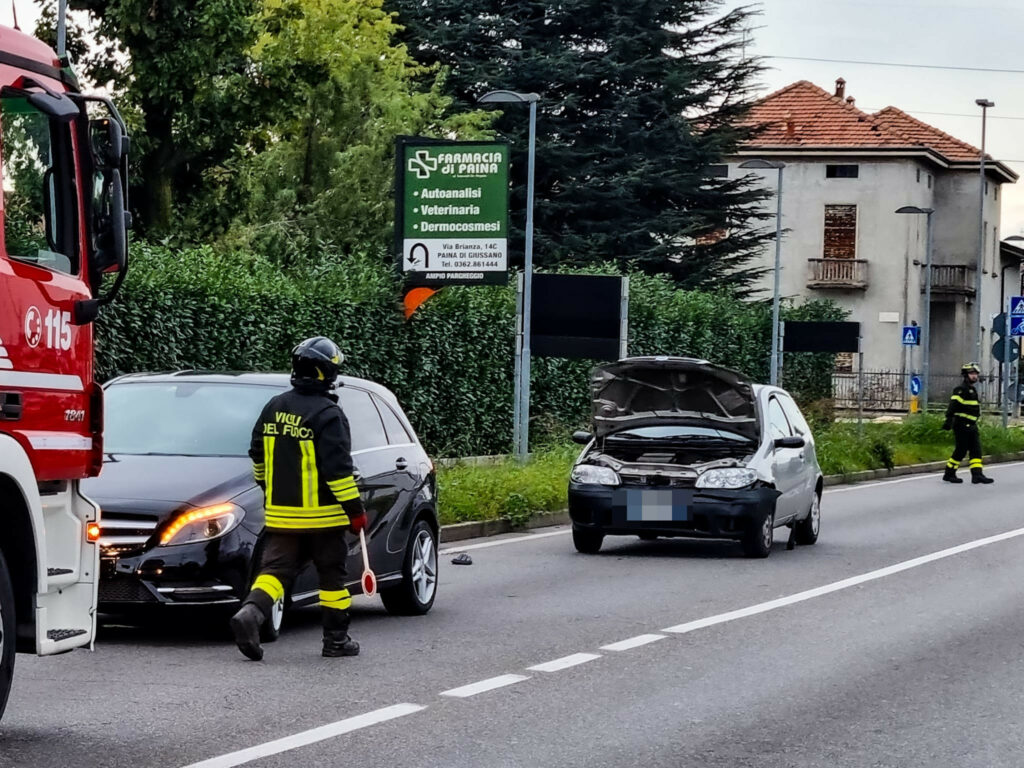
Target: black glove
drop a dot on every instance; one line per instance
(947, 424)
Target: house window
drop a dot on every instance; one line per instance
(844, 362)
(995, 193)
(929, 181)
(718, 171)
(842, 171)
(986, 187)
(918, 175)
(840, 232)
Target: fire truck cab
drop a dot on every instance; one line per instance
(63, 164)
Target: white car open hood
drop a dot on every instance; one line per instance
(653, 391)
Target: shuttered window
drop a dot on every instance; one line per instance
(840, 232)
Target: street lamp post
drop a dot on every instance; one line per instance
(779, 165)
(927, 331)
(984, 104)
(521, 409)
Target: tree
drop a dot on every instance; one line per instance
(181, 69)
(338, 90)
(639, 100)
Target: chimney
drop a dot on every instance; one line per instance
(790, 126)
(851, 101)
(840, 88)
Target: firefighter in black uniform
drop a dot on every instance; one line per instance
(962, 417)
(302, 457)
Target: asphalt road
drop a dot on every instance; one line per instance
(897, 640)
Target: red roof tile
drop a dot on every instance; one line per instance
(930, 136)
(804, 115)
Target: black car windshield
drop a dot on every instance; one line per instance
(677, 432)
(185, 418)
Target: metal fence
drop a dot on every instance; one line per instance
(890, 390)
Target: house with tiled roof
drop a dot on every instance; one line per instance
(846, 172)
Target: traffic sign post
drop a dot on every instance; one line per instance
(1014, 326)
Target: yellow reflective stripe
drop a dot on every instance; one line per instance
(975, 463)
(342, 482)
(338, 599)
(271, 585)
(268, 455)
(310, 476)
(298, 524)
(965, 402)
(967, 416)
(281, 509)
(953, 464)
(259, 471)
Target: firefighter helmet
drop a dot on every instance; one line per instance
(967, 368)
(316, 361)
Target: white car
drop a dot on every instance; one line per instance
(683, 447)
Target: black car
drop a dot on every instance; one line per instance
(182, 516)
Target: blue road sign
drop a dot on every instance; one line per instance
(1017, 315)
(911, 335)
(915, 385)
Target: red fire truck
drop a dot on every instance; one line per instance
(62, 256)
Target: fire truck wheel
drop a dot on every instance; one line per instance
(7, 626)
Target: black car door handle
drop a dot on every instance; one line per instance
(401, 463)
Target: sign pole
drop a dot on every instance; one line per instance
(860, 388)
(1005, 362)
(524, 370)
(517, 438)
(624, 319)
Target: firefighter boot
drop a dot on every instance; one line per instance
(950, 476)
(336, 639)
(978, 477)
(246, 626)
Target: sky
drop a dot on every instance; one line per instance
(969, 34)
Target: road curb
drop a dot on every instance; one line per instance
(481, 528)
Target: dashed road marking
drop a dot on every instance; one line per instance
(632, 642)
(565, 662)
(483, 686)
(309, 737)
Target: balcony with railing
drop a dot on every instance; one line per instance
(837, 273)
(953, 279)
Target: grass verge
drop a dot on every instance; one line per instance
(516, 491)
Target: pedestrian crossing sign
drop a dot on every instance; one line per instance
(911, 335)
(1017, 315)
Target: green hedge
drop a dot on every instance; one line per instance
(451, 365)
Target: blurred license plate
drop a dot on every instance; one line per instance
(655, 506)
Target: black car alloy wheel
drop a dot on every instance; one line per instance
(415, 594)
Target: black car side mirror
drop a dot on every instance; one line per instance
(581, 437)
(795, 441)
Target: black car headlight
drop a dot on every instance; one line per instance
(727, 477)
(201, 524)
(593, 474)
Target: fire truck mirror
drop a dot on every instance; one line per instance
(54, 105)
(107, 144)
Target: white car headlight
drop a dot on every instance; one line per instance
(727, 477)
(201, 524)
(590, 473)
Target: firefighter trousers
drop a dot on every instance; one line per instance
(967, 441)
(285, 554)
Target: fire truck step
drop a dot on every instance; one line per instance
(63, 634)
(58, 571)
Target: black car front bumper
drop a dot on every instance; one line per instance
(205, 573)
(691, 512)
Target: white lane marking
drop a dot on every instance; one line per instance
(484, 685)
(515, 540)
(308, 737)
(836, 586)
(632, 642)
(933, 475)
(565, 662)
